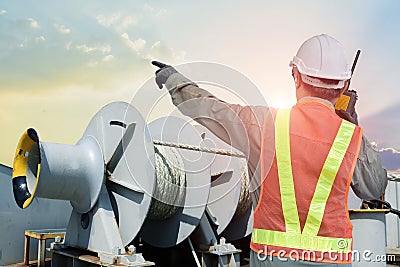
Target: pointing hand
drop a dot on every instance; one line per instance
(163, 73)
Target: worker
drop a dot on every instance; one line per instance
(304, 158)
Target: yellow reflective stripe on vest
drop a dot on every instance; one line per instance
(300, 241)
(308, 239)
(286, 185)
(327, 177)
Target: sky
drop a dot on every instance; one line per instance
(61, 61)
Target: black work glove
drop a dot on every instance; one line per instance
(163, 73)
(350, 113)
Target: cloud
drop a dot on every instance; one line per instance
(162, 52)
(92, 49)
(92, 63)
(390, 157)
(136, 45)
(33, 23)
(154, 11)
(108, 58)
(62, 29)
(389, 149)
(95, 63)
(40, 39)
(109, 20)
(68, 46)
(2, 11)
(126, 23)
(22, 45)
(119, 22)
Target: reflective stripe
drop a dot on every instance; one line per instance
(293, 237)
(286, 185)
(300, 241)
(327, 177)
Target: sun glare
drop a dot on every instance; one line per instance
(280, 103)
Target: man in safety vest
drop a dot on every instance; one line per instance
(305, 158)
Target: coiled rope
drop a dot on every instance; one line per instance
(245, 200)
(170, 186)
(171, 179)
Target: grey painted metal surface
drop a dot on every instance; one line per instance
(132, 181)
(97, 230)
(170, 232)
(369, 248)
(78, 173)
(225, 190)
(240, 227)
(67, 172)
(224, 197)
(392, 195)
(41, 214)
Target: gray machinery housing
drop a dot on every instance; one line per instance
(161, 184)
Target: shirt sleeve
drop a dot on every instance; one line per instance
(369, 178)
(239, 126)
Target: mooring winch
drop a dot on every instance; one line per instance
(126, 179)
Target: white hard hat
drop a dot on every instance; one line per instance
(322, 57)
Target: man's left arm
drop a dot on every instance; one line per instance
(369, 178)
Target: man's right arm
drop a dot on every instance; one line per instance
(239, 126)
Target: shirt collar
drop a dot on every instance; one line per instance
(313, 98)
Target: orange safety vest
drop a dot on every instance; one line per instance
(302, 212)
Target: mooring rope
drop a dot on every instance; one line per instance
(170, 186)
(201, 149)
(245, 200)
(176, 191)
